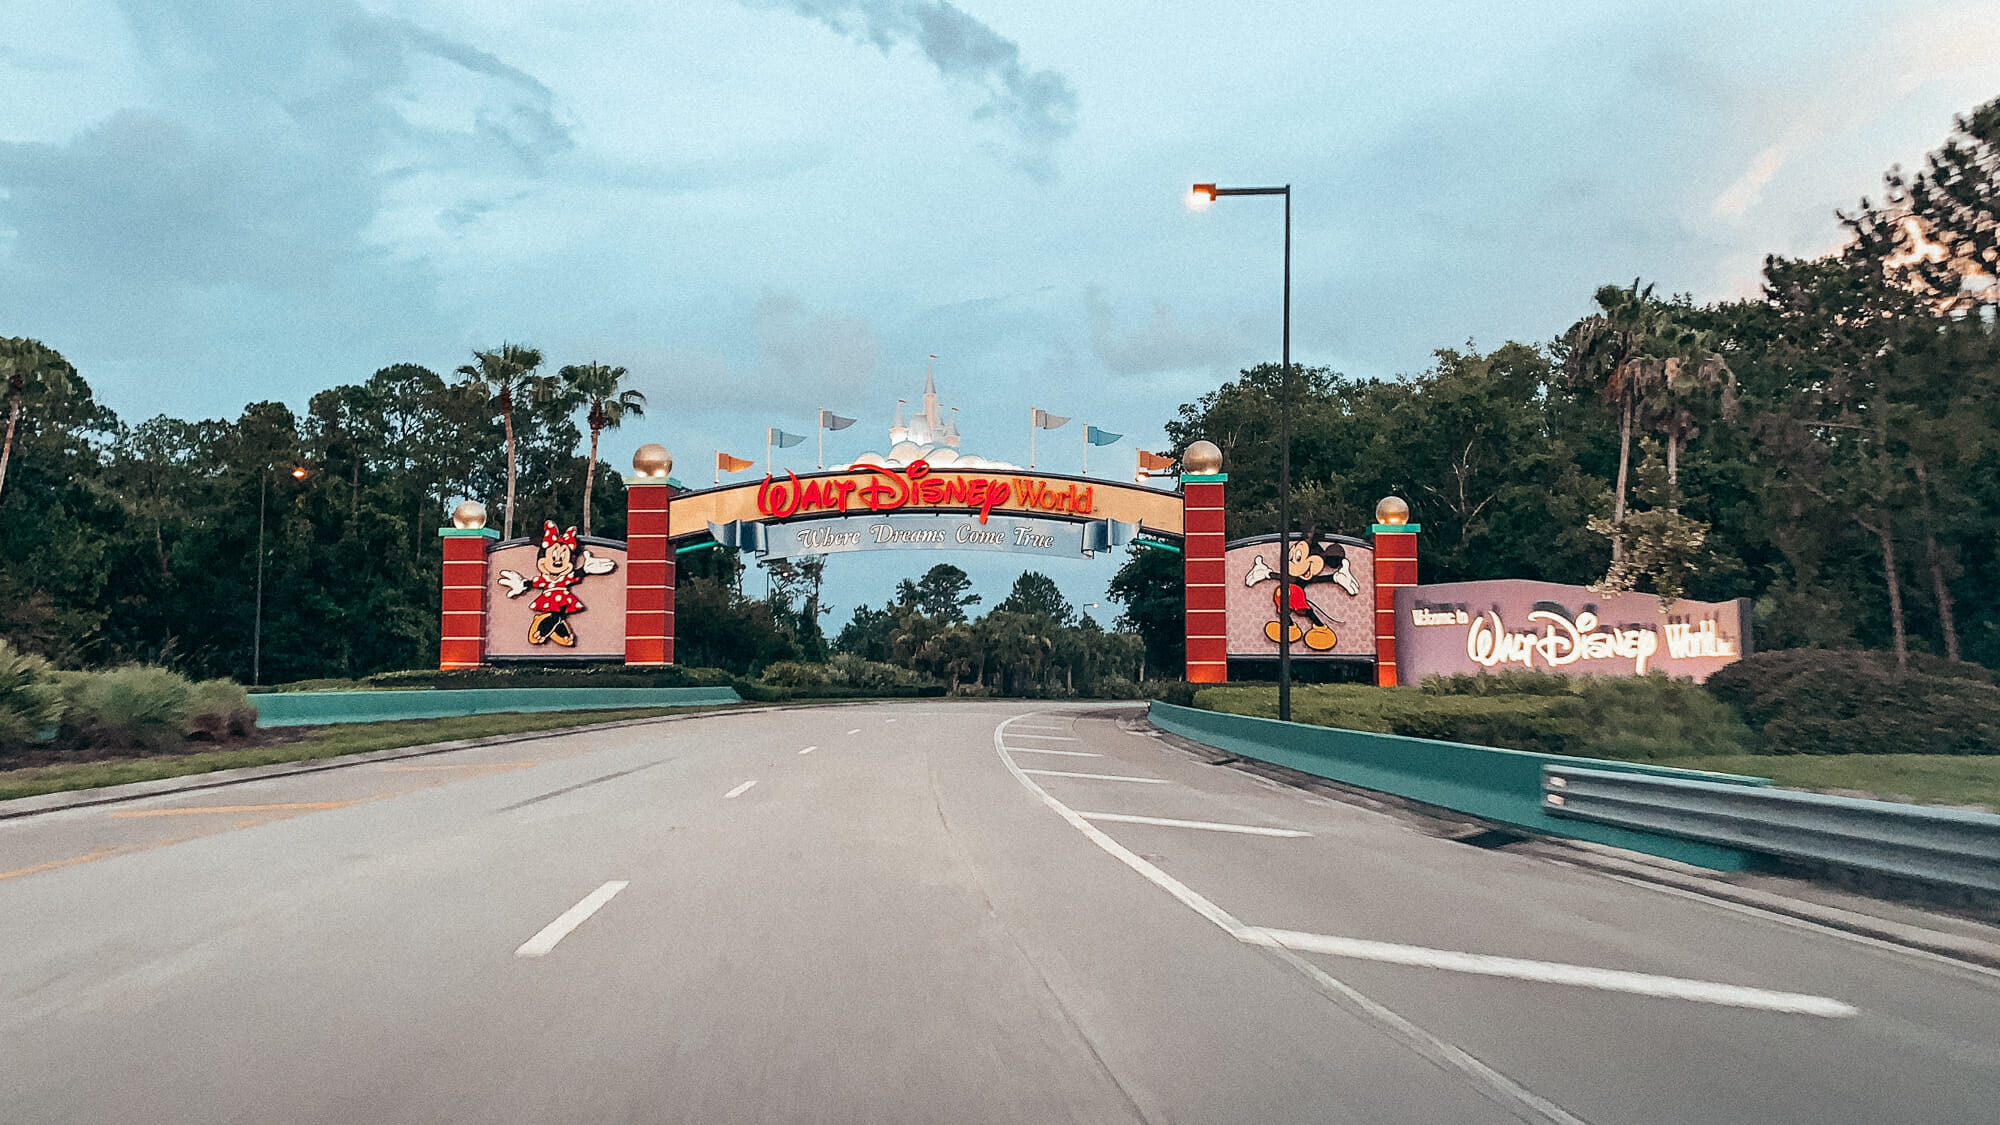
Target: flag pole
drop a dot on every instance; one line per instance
(822, 439)
(1086, 449)
(1031, 437)
(718, 468)
(767, 451)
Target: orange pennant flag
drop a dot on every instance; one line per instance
(724, 463)
(1153, 462)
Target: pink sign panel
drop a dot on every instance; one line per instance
(1515, 624)
(565, 603)
(1333, 597)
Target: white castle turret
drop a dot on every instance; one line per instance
(929, 434)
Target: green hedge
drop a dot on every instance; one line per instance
(524, 675)
(1632, 719)
(1818, 701)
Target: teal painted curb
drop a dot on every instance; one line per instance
(1504, 786)
(314, 708)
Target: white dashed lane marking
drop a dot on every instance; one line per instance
(1043, 750)
(1204, 825)
(1100, 776)
(739, 790)
(541, 943)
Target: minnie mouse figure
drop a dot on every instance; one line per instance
(558, 566)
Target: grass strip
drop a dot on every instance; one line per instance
(1924, 779)
(323, 742)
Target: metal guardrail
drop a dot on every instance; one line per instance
(1947, 846)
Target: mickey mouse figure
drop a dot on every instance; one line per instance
(1309, 561)
(558, 566)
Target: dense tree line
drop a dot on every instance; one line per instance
(138, 542)
(1830, 448)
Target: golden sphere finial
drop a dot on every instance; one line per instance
(1202, 459)
(1392, 510)
(652, 460)
(469, 515)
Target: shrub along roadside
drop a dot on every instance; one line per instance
(1816, 701)
(134, 708)
(1640, 718)
(313, 744)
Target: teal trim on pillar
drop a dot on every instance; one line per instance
(1395, 528)
(467, 533)
(1204, 478)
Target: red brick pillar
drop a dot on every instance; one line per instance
(462, 637)
(649, 571)
(1395, 568)
(1207, 619)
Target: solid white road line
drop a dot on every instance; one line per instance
(808, 749)
(1551, 972)
(541, 943)
(1204, 825)
(1041, 750)
(856, 730)
(1043, 737)
(739, 790)
(1101, 776)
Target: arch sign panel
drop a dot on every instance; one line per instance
(877, 508)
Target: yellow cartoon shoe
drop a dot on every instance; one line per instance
(1319, 638)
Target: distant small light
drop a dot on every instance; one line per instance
(1200, 196)
(299, 472)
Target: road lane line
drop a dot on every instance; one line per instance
(1553, 972)
(738, 791)
(215, 810)
(1101, 776)
(1205, 825)
(809, 749)
(856, 730)
(1494, 1085)
(108, 851)
(541, 943)
(1043, 750)
(1045, 737)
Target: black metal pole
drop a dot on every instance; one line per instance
(257, 623)
(1285, 486)
(1213, 192)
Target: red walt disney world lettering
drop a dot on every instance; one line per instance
(884, 490)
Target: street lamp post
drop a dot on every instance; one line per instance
(1201, 196)
(257, 620)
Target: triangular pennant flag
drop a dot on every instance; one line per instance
(781, 439)
(1154, 462)
(829, 420)
(1100, 437)
(724, 463)
(1047, 421)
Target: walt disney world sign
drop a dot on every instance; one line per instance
(874, 507)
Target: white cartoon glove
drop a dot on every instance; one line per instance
(594, 565)
(1259, 571)
(516, 585)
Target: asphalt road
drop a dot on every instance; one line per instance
(910, 913)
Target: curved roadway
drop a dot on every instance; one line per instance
(909, 913)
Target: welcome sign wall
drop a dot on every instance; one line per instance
(1543, 627)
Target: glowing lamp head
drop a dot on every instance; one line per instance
(1392, 511)
(299, 472)
(1202, 459)
(1200, 196)
(652, 460)
(469, 515)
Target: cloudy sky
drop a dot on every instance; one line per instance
(762, 207)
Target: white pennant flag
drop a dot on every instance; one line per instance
(1047, 421)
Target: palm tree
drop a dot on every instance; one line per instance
(496, 376)
(1605, 351)
(602, 389)
(26, 363)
